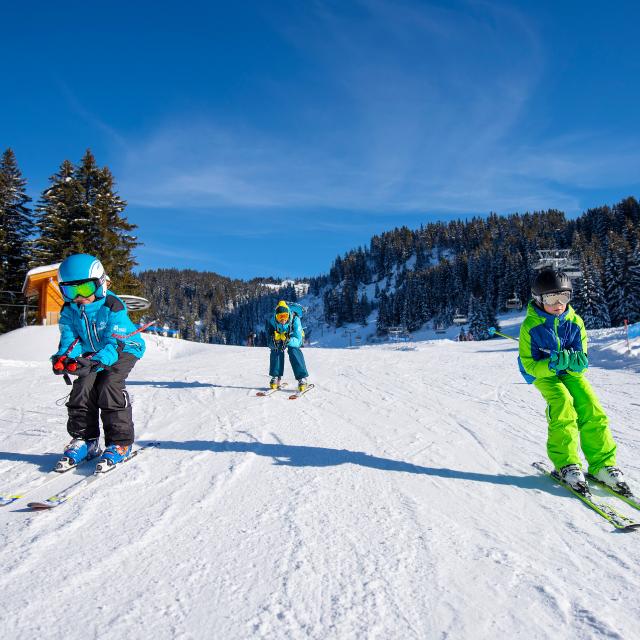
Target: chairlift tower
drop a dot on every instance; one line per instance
(559, 260)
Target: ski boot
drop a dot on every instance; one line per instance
(77, 451)
(275, 383)
(614, 478)
(111, 456)
(573, 476)
(302, 385)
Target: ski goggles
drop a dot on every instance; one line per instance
(282, 317)
(559, 297)
(79, 288)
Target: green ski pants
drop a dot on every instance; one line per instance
(574, 416)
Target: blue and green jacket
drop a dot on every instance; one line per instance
(541, 334)
(95, 324)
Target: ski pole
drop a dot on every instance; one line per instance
(120, 336)
(493, 331)
(72, 367)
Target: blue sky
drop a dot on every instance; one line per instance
(258, 138)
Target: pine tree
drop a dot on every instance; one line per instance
(81, 213)
(633, 285)
(16, 226)
(478, 319)
(384, 321)
(60, 232)
(615, 278)
(588, 297)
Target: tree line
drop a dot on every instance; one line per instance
(474, 267)
(410, 276)
(207, 307)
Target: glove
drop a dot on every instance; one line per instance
(58, 364)
(559, 360)
(82, 366)
(578, 361)
(280, 341)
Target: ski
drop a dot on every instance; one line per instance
(50, 476)
(298, 394)
(270, 392)
(617, 519)
(82, 484)
(629, 498)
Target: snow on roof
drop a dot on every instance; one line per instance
(49, 267)
(37, 270)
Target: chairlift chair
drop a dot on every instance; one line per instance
(514, 303)
(459, 318)
(440, 328)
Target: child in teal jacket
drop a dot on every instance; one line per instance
(284, 331)
(100, 346)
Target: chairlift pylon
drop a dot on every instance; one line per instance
(560, 260)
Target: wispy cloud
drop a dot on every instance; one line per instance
(413, 108)
(76, 106)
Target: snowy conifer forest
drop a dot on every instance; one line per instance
(405, 278)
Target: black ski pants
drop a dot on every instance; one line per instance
(103, 392)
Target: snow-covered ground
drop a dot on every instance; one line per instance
(395, 500)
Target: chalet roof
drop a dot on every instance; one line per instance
(36, 271)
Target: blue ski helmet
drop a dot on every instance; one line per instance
(80, 268)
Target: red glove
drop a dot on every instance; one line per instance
(58, 364)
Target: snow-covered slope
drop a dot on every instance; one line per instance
(395, 500)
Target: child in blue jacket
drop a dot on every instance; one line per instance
(98, 344)
(284, 331)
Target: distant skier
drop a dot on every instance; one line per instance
(96, 345)
(284, 331)
(553, 356)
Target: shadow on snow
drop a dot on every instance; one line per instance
(303, 456)
(177, 384)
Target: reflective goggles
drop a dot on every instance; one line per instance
(559, 297)
(282, 317)
(81, 288)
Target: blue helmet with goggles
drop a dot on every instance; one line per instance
(82, 275)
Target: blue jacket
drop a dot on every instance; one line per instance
(541, 334)
(95, 324)
(293, 328)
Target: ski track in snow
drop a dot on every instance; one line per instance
(395, 500)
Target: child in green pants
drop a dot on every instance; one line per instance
(553, 357)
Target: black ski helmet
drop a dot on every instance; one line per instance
(550, 281)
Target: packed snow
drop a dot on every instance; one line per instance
(394, 500)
